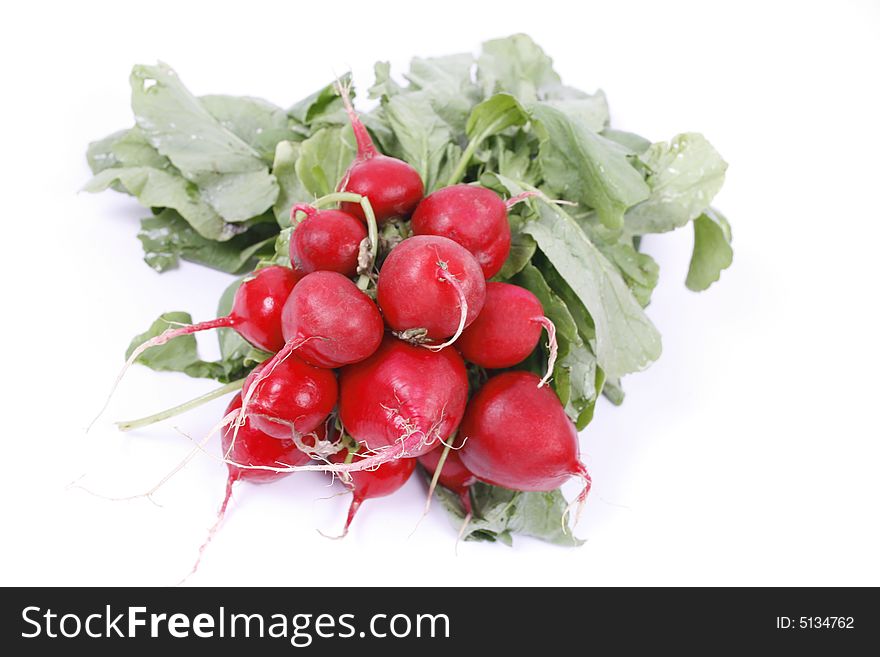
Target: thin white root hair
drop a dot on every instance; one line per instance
(403, 447)
(552, 345)
(462, 529)
(450, 278)
(230, 481)
(158, 341)
(580, 500)
(338, 537)
(435, 479)
(200, 447)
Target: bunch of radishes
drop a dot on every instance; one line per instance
(372, 343)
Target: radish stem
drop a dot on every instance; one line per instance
(513, 200)
(128, 425)
(372, 227)
(436, 478)
(159, 340)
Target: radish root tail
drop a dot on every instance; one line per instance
(352, 511)
(445, 275)
(159, 340)
(230, 481)
(552, 345)
(464, 525)
(580, 500)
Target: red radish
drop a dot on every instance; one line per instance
(393, 187)
(388, 478)
(507, 330)
(401, 402)
(453, 475)
(255, 315)
(254, 447)
(516, 435)
(326, 240)
(474, 217)
(286, 397)
(430, 286)
(330, 321)
(251, 447)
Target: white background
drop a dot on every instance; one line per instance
(747, 455)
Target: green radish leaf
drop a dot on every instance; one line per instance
(490, 117)
(613, 391)
(423, 135)
(167, 237)
(626, 340)
(639, 270)
(712, 250)
(583, 167)
(590, 111)
(586, 327)
(493, 115)
(384, 85)
(100, 155)
(499, 513)
(133, 150)
(229, 173)
(448, 85)
(518, 66)
(181, 353)
(323, 160)
(322, 107)
(522, 248)
(291, 188)
(629, 140)
(125, 148)
(684, 176)
(256, 122)
(281, 256)
(161, 188)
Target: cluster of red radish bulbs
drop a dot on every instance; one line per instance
(368, 375)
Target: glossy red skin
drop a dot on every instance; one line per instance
(402, 382)
(474, 217)
(506, 331)
(388, 478)
(412, 295)
(393, 187)
(455, 476)
(253, 447)
(517, 435)
(296, 393)
(343, 323)
(328, 240)
(256, 308)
